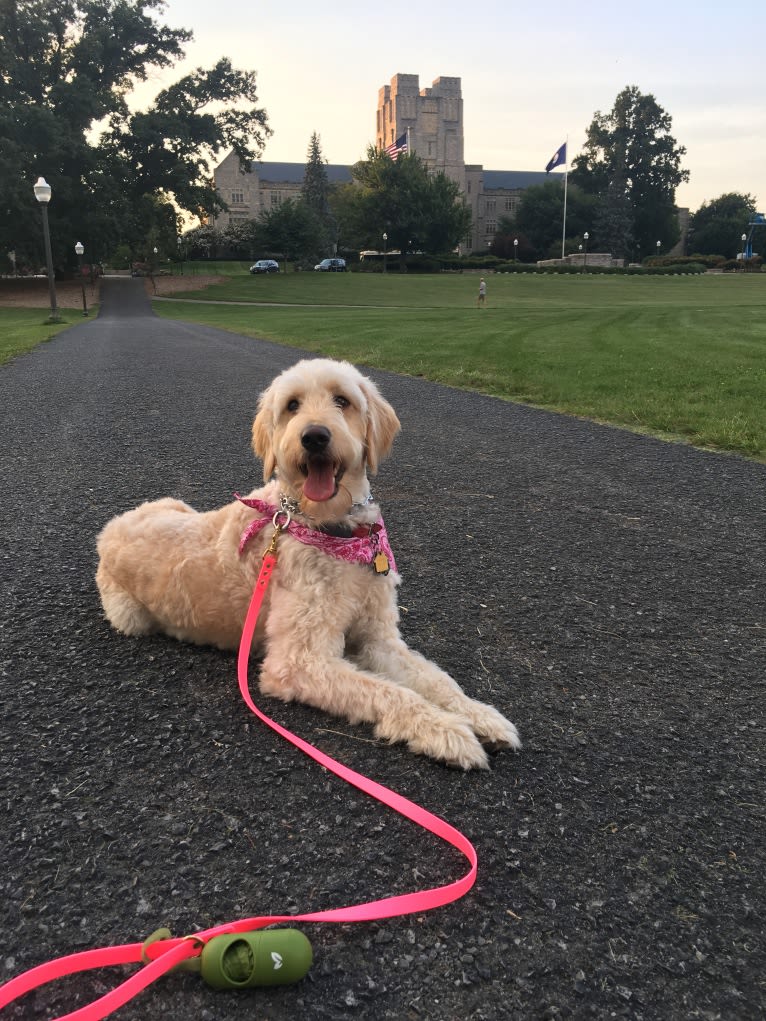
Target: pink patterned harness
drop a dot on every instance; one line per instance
(360, 548)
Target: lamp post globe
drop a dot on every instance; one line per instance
(43, 195)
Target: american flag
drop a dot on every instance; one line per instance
(400, 145)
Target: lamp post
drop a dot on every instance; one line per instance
(744, 242)
(659, 245)
(181, 253)
(585, 237)
(43, 196)
(515, 248)
(79, 252)
(385, 249)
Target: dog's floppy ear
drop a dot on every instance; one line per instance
(263, 427)
(382, 426)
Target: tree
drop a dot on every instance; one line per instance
(417, 211)
(717, 226)
(316, 187)
(315, 193)
(613, 223)
(631, 151)
(294, 231)
(66, 71)
(540, 217)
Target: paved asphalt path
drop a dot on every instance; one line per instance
(603, 589)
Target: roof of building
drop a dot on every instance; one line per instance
(515, 178)
(292, 173)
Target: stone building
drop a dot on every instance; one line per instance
(432, 118)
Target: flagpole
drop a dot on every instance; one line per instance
(566, 176)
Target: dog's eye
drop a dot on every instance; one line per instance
(293, 405)
(341, 401)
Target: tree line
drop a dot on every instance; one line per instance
(125, 180)
(621, 192)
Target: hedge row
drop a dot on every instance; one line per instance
(672, 270)
(681, 266)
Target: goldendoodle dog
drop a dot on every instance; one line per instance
(328, 631)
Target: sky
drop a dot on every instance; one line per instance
(533, 75)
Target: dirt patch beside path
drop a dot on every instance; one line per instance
(32, 292)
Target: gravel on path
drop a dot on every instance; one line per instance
(604, 590)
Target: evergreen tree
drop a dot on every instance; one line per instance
(315, 194)
(315, 190)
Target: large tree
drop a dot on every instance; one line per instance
(315, 193)
(66, 71)
(294, 231)
(418, 211)
(632, 162)
(540, 218)
(717, 226)
(316, 188)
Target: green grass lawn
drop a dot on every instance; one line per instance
(21, 329)
(681, 357)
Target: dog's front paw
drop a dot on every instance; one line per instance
(492, 728)
(440, 735)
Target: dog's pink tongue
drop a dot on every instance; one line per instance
(320, 483)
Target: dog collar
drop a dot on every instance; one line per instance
(367, 544)
(287, 503)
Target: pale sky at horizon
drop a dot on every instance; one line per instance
(532, 75)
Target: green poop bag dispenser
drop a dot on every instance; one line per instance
(243, 960)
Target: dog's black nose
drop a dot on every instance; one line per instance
(315, 438)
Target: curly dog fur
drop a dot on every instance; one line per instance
(328, 631)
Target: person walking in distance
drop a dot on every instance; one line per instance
(482, 299)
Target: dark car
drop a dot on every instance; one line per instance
(265, 266)
(332, 266)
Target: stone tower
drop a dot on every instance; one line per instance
(434, 118)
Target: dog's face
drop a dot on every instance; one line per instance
(321, 424)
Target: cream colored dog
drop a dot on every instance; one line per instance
(328, 630)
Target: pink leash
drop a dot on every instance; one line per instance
(161, 956)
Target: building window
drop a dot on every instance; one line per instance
(276, 198)
(238, 197)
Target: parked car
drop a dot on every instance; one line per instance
(265, 266)
(332, 266)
